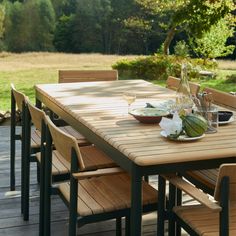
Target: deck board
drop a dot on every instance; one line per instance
(11, 221)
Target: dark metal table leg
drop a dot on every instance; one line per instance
(161, 205)
(136, 203)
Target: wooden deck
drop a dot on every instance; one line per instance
(11, 222)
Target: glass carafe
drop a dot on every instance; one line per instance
(183, 94)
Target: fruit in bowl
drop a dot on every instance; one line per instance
(148, 115)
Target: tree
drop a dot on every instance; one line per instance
(193, 16)
(2, 17)
(213, 42)
(29, 26)
(63, 34)
(92, 26)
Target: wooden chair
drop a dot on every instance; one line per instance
(19, 100)
(210, 217)
(173, 83)
(60, 169)
(71, 76)
(206, 179)
(223, 99)
(91, 196)
(31, 143)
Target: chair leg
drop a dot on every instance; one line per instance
(127, 225)
(41, 205)
(47, 185)
(179, 203)
(172, 200)
(73, 196)
(41, 168)
(26, 159)
(23, 162)
(38, 174)
(118, 226)
(12, 143)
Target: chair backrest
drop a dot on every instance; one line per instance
(221, 98)
(37, 116)
(173, 83)
(230, 171)
(64, 143)
(71, 76)
(19, 97)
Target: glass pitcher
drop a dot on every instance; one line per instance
(183, 94)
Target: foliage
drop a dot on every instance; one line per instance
(63, 34)
(193, 16)
(107, 26)
(29, 26)
(181, 49)
(160, 66)
(213, 42)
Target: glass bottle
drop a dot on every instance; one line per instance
(183, 94)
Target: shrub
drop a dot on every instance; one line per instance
(181, 49)
(159, 67)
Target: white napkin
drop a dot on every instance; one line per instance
(172, 126)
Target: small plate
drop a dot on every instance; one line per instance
(226, 122)
(148, 115)
(181, 138)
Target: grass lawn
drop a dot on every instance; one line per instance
(27, 69)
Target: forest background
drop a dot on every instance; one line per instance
(107, 26)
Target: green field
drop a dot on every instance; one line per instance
(27, 69)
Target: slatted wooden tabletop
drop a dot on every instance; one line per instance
(100, 106)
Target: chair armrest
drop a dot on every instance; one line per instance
(192, 191)
(97, 173)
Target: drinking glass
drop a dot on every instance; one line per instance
(130, 98)
(211, 115)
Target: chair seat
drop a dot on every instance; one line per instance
(93, 159)
(205, 221)
(207, 177)
(106, 193)
(36, 136)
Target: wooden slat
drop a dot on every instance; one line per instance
(173, 83)
(192, 191)
(94, 158)
(207, 177)
(72, 76)
(222, 98)
(106, 193)
(81, 140)
(19, 97)
(227, 170)
(96, 173)
(204, 221)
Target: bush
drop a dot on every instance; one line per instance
(159, 67)
(181, 49)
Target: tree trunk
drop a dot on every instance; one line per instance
(169, 38)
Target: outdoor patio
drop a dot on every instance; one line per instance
(11, 221)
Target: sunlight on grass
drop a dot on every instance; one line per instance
(27, 69)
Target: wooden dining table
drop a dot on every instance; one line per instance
(99, 112)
